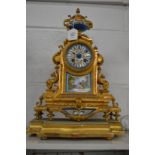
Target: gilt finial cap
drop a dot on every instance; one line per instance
(77, 21)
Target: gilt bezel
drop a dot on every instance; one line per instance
(70, 67)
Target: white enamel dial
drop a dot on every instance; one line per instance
(79, 56)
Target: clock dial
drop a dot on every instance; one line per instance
(79, 56)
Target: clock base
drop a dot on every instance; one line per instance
(63, 128)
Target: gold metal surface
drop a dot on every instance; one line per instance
(69, 129)
(57, 99)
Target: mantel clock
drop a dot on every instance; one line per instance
(78, 89)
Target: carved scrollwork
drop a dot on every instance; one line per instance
(55, 77)
(56, 57)
(50, 115)
(103, 83)
(100, 59)
(40, 102)
(114, 116)
(114, 103)
(38, 115)
(106, 116)
(79, 103)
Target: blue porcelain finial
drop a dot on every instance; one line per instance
(78, 22)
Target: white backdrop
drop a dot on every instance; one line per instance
(45, 32)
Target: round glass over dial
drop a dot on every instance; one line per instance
(79, 56)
